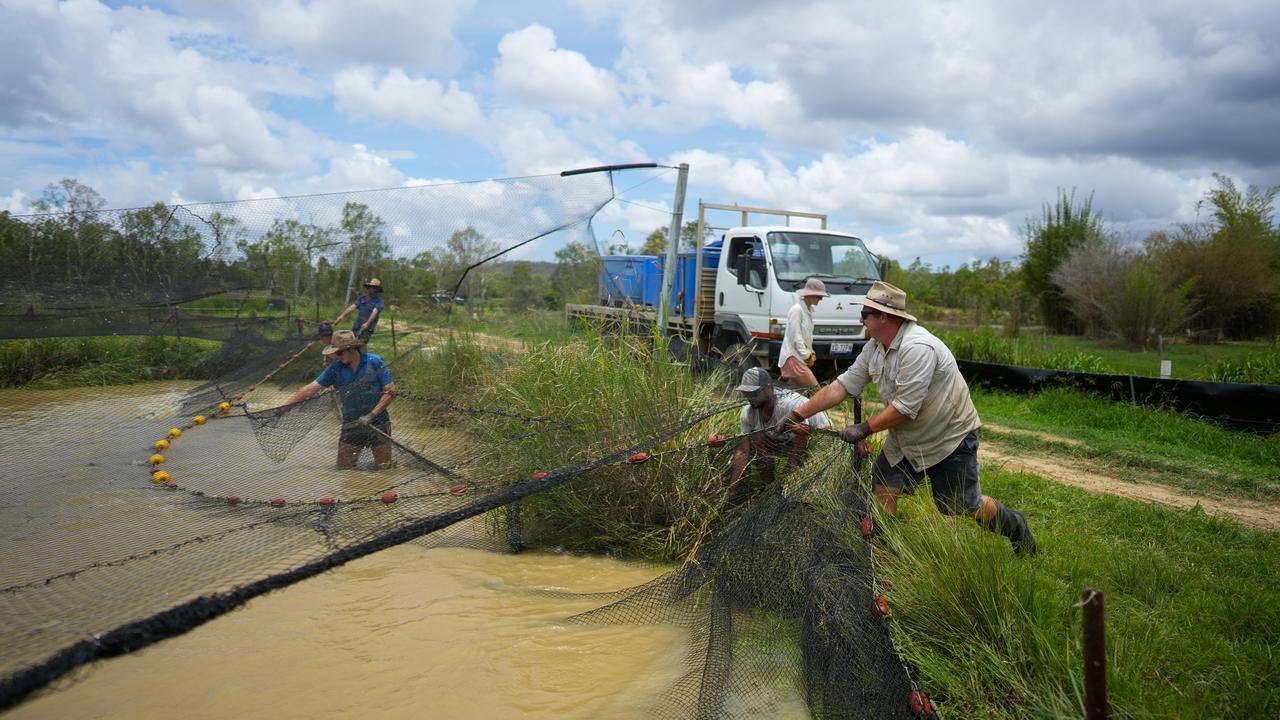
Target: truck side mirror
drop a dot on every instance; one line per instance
(744, 268)
(884, 268)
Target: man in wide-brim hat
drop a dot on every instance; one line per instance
(363, 382)
(797, 356)
(367, 307)
(930, 422)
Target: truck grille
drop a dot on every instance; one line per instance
(837, 330)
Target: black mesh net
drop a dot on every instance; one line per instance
(132, 514)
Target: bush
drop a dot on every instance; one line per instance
(1049, 241)
(1122, 293)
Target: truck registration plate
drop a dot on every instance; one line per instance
(841, 348)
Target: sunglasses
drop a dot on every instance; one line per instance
(870, 313)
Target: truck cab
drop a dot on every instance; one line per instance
(759, 271)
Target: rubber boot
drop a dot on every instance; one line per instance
(1013, 525)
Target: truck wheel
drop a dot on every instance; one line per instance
(739, 359)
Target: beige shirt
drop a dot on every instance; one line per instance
(918, 375)
(797, 342)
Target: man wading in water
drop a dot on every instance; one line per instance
(365, 386)
(931, 423)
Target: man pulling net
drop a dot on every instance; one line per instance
(364, 383)
(761, 422)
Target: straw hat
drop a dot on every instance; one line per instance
(343, 340)
(888, 299)
(374, 283)
(813, 287)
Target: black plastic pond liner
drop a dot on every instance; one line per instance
(1240, 406)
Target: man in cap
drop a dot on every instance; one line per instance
(367, 308)
(931, 422)
(761, 421)
(324, 332)
(797, 356)
(364, 384)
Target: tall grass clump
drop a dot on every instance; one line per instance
(612, 391)
(1193, 613)
(456, 367)
(1260, 367)
(97, 361)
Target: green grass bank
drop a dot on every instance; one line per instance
(96, 361)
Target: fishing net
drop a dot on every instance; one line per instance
(133, 514)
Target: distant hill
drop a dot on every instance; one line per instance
(539, 268)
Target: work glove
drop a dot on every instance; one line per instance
(855, 434)
(366, 419)
(813, 358)
(795, 422)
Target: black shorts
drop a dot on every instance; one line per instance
(366, 435)
(956, 489)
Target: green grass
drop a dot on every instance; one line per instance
(1191, 362)
(98, 361)
(1137, 442)
(1193, 607)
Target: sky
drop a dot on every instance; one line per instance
(929, 129)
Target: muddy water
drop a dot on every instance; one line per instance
(408, 632)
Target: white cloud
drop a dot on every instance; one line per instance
(15, 203)
(421, 102)
(531, 68)
(333, 33)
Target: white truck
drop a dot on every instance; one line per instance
(731, 295)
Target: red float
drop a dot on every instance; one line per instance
(326, 500)
(539, 475)
(389, 497)
(457, 489)
(637, 458)
(172, 485)
(867, 526)
(882, 605)
(921, 705)
(716, 441)
(277, 502)
(233, 499)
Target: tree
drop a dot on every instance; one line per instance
(366, 245)
(1065, 226)
(1233, 259)
(656, 242)
(465, 248)
(526, 291)
(1122, 293)
(76, 226)
(576, 273)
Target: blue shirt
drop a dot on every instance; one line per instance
(365, 306)
(360, 389)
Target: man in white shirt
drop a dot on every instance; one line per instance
(763, 415)
(797, 356)
(931, 422)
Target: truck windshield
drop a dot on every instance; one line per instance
(798, 256)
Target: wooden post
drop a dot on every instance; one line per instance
(394, 350)
(1095, 656)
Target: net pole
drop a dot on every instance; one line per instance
(673, 241)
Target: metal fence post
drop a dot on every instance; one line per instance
(1095, 655)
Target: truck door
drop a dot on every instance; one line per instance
(742, 284)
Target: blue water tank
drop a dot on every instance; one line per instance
(629, 280)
